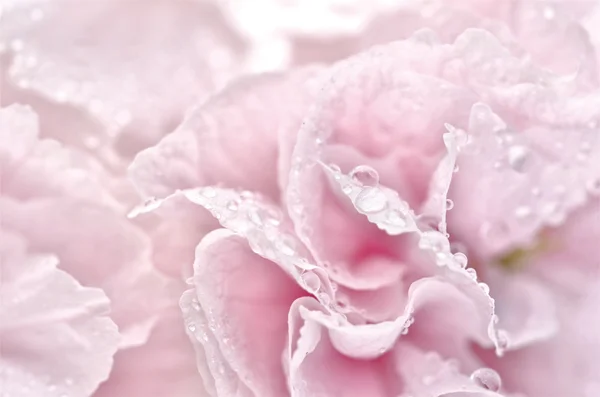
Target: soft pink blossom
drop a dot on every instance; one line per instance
(417, 218)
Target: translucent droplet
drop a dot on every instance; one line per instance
(285, 245)
(549, 12)
(232, 205)
(593, 187)
(461, 259)
(456, 169)
(487, 378)
(365, 175)
(472, 272)
(449, 204)
(517, 157)
(347, 189)
(311, 280)
(523, 212)
(502, 342)
(484, 287)
(324, 298)
(396, 218)
(371, 200)
(209, 192)
(335, 168)
(434, 241)
(196, 305)
(191, 327)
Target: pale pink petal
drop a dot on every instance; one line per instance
(56, 336)
(428, 374)
(545, 174)
(231, 140)
(316, 367)
(66, 54)
(104, 251)
(32, 167)
(238, 291)
(164, 366)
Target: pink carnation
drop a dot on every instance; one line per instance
(384, 200)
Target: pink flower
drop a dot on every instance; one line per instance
(417, 219)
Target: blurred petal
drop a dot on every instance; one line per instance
(56, 337)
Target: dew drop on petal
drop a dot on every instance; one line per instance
(311, 280)
(209, 192)
(371, 200)
(487, 378)
(517, 157)
(461, 259)
(449, 204)
(472, 272)
(593, 187)
(365, 175)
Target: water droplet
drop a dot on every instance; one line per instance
(191, 327)
(335, 168)
(484, 287)
(365, 175)
(517, 157)
(371, 200)
(449, 204)
(209, 192)
(456, 169)
(549, 12)
(255, 216)
(324, 298)
(523, 211)
(472, 272)
(285, 245)
(487, 378)
(502, 342)
(461, 259)
(435, 241)
(311, 280)
(195, 305)
(347, 189)
(232, 205)
(396, 218)
(593, 187)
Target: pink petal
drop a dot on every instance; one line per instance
(56, 337)
(67, 55)
(315, 367)
(232, 139)
(541, 183)
(237, 290)
(427, 374)
(164, 365)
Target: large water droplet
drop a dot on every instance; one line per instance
(371, 200)
(517, 157)
(311, 280)
(487, 378)
(435, 241)
(365, 175)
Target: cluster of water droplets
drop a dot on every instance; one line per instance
(251, 216)
(383, 207)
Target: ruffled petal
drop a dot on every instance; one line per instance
(66, 54)
(56, 336)
(237, 291)
(164, 365)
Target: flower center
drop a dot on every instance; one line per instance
(517, 259)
